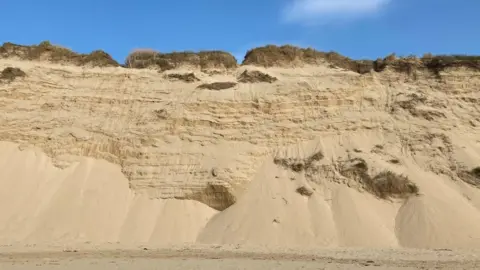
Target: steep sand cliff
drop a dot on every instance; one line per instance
(317, 155)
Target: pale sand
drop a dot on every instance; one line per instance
(227, 257)
(99, 127)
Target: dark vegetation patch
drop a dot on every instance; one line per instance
(217, 196)
(267, 56)
(298, 165)
(394, 161)
(46, 51)
(304, 191)
(433, 63)
(10, 73)
(217, 85)
(287, 55)
(471, 177)
(186, 77)
(255, 76)
(384, 185)
(166, 61)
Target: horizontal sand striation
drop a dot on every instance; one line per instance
(320, 156)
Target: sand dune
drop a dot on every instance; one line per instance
(87, 202)
(109, 155)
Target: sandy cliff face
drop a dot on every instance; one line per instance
(100, 154)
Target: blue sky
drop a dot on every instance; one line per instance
(356, 28)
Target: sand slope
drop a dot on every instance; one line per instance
(87, 202)
(113, 155)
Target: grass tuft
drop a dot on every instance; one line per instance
(166, 61)
(56, 54)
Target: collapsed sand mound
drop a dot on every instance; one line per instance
(87, 202)
(45, 51)
(436, 222)
(434, 64)
(271, 213)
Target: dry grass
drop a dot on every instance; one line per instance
(267, 56)
(186, 77)
(10, 73)
(56, 54)
(254, 76)
(389, 184)
(471, 177)
(288, 55)
(298, 165)
(167, 61)
(432, 63)
(217, 85)
(384, 185)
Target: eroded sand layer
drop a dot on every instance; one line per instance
(131, 156)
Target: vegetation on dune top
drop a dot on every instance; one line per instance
(287, 55)
(384, 185)
(46, 51)
(166, 61)
(266, 56)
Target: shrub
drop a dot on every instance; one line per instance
(166, 61)
(56, 54)
(271, 55)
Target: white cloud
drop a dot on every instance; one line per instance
(324, 11)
